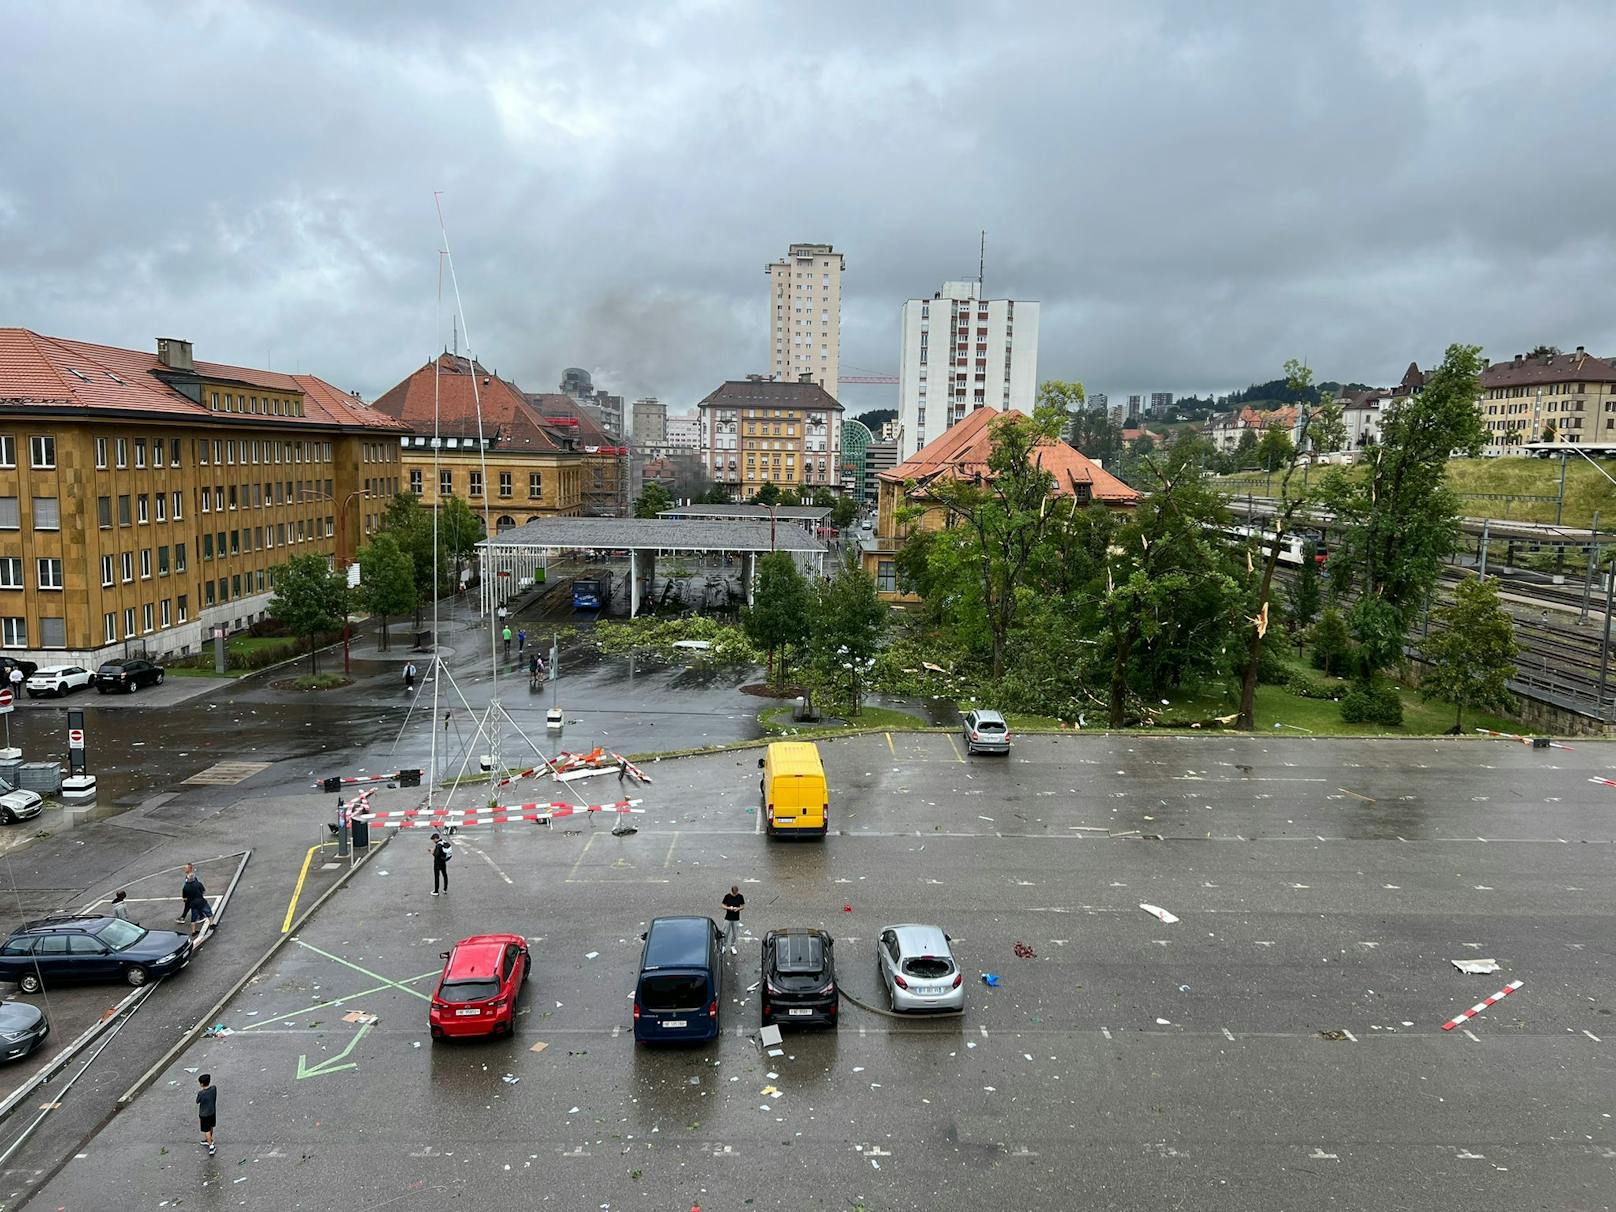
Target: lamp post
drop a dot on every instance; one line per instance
(342, 533)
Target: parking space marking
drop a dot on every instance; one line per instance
(297, 891)
(667, 859)
(949, 737)
(338, 1001)
(483, 854)
(375, 976)
(890, 748)
(579, 861)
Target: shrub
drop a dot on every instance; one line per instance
(1332, 646)
(1303, 686)
(1375, 703)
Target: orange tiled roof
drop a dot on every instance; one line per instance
(56, 373)
(962, 453)
(458, 386)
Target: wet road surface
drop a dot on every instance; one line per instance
(1280, 1046)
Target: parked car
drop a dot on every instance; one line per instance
(986, 732)
(917, 966)
(20, 806)
(59, 680)
(681, 982)
(127, 675)
(89, 947)
(8, 663)
(799, 977)
(23, 1027)
(476, 995)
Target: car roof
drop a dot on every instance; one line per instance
(921, 940)
(798, 950)
(62, 923)
(476, 958)
(678, 942)
(986, 713)
(54, 669)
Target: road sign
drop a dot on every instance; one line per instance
(6, 703)
(75, 738)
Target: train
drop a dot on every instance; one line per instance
(592, 593)
(1291, 551)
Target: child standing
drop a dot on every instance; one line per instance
(207, 1108)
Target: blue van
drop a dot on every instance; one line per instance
(680, 982)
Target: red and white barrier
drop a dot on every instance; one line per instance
(1480, 1006)
(1604, 782)
(1525, 740)
(500, 814)
(356, 780)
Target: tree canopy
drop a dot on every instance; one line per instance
(1471, 651)
(653, 499)
(779, 618)
(310, 598)
(386, 579)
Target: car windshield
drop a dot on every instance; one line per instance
(673, 991)
(110, 668)
(989, 726)
(927, 967)
(469, 991)
(119, 934)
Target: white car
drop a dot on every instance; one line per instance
(19, 806)
(58, 680)
(917, 966)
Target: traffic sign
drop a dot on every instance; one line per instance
(6, 703)
(75, 738)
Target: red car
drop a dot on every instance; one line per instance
(481, 979)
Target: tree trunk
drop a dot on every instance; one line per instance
(1247, 718)
(386, 641)
(314, 655)
(1119, 680)
(771, 676)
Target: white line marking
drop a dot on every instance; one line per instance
(1106, 1031)
(1471, 1034)
(483, 854)
(1349, 1035)
(1228, 1035)
(1591, 1035)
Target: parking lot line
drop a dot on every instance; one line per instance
(958, 757)
(890, 748)
(297, 891)
(375, 976)
(337, 1001)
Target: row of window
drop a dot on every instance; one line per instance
(124, 562)
(1552, 389)
(161, 453)
(268, 406)
(507, 483)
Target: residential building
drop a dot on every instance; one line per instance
(962, 453)
(605, 458)
(1098, 399)
(1575, 392)
(878, 457)
(805, 315)
(856, 439)
(514, 464)
(147, 499)
(1160, 402)
(605, 409)
(889, 431)
(1136, 404)
(684, 431)
(985, 356)
(648, 424)
(758, 431)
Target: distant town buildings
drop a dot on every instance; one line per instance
(1098, 400)
(758, 431)
(684, 432)
(1160, 402)
(1575, 393)
(805, 315)
(856, 439)
(878, 457)
(1135, 406)
(605, 408)
(959, 353)
(648, 423)
(889, 431)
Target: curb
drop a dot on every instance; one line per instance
(194, 1032)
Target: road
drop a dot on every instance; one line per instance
(1279, 1046)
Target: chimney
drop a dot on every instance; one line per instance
(174, 353)
(1580, 352)
(1519, 358)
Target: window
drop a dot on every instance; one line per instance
(128, 622)
(146, 617)
(14, 632)
(210, 595)
(42, 451)
(165, 613)
(415, 481)
(109, 627)
(504, 483)
(11, 572)
(445, 483)
(123, 452)
(123, 509)
(126, 564)
(207, 501)
(181, 604)
(224, 589)
(235, 543)
(140, 452)
(47, 513)
(179, 563)
(179, 513)
(162, 507)
(232, 496)
(207, 546)
(145, 563)
(103, 512)
(174, 453)
(476, 488)
(235, 585)
(50, 572)
(535, 484)
(106, 570)
(143, 509)
(162, 561)
(157, 450)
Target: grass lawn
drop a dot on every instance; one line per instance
(187, 671)
(1278, 710)
(778, 722)
(319, 681)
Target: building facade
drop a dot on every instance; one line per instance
(805, 315)
(1575, 393)
(684, 432)
(147, 499)
(1160, 402)
(878, 457)
(856, 439)
(958, 353)
(648, 424)
(758, 431)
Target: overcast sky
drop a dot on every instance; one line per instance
(1195, 191)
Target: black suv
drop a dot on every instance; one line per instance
(89, 947)
(128, 675)
(8, 663)
(799, 977)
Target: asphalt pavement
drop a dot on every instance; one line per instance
(1280, 1045)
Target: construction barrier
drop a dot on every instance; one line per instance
(499, 814)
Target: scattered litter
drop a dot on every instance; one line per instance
(510, 1079)
(856, 1069)
(219, 1029)
(1480, 1006)
(415, 1044)
(770, 1076)
(970, 1043)
(752, 988)
(589, 955)
(1183, 988)
(1023, 951)
(777, 1051)
(358, 1016)
(573, 1111)
(1162, 1022)
(1158, 911)
(1335, 1036)
(191, 1068)
(847, 908)
(1476, 967)
(538, 1047)
(769, 1036)
(990, 979)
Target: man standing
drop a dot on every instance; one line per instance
(440, 863)
(733, 904)
(196, 901)
(409, 676)
(521, 640)
(207, 1108)
(506, 636)
(185, 892)
(17, 680)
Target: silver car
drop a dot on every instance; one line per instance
(917, 967)
(986, 732)
(20, 806)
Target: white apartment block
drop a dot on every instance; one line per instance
(805, 315)
(684, 432)
(960, 353)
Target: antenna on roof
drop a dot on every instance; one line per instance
(981, 262)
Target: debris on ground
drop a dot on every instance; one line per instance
(990, 979)
(1023, 951)
(1476, 967)
(769, 1037)
(1335, 1036)
(1158, 911)
(539, 1047)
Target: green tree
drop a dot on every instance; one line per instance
(1327, 431)
(843, 512)
(790, 497)
(411, 528)
(1275, 448)
(310, 598)
(849, 621)
(1331, 642)
(778, 619)
(1304, 597)
(1549, 431)
(1471, 651)
(653, 499)
(386, 580)
(1396, 518)
(1245, 450)
(824, 498)
(459, 532)
(769, 494)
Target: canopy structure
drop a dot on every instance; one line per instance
(508, 560)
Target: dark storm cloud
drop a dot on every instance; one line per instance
(1195, 192)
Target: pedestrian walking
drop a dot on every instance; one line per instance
(506, 634)
(207, 1108)
(409, 676)
(441, 853)
(185, 900)
(733, 904)
(194, 893)
(17, 680)
(521, 641)
(119, 908)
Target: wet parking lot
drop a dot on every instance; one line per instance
(1279, 1045)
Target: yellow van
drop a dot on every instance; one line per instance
(794, 795)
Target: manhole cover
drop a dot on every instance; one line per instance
(225, 774)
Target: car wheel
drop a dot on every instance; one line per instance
(159, 680)
(61, 690)
(134, 685)
(29, 982)
(8, 817)
(136, 975)
(100, 689)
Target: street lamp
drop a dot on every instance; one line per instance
(342, 532)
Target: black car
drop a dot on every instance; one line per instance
(8, 663)
(89, 947)
(128, 675)
(799, 977)
(23, 1027)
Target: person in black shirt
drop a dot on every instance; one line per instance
(207, 1107)
(440, 863)
(733, 904)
